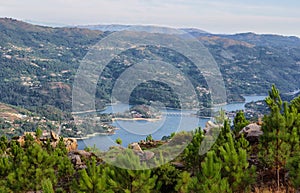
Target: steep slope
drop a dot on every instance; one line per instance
(38, 63)
(250, 63)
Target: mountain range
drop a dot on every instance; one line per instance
(119, 27)
(38, 64)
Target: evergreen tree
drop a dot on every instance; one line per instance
(36, 165)
(38, 133)
(292, 117)
(296, 103)
(293, 166)
(92, 179)
(239, 122)
(25, 169)
(274, 147)
(221, 117)
(166, 175)
(183, 182)
(134, 180)
(47, 186)
(235, 165)
(191, 155)
(210, 178)
(222, 136)
(149, 138)
(3, 144)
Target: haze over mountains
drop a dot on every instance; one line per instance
(38, 64)
(119, 27)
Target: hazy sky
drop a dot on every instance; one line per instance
(217, 16)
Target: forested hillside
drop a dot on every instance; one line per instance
(38, 64)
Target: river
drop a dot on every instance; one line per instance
(136, 130)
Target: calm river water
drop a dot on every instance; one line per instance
(172, 121)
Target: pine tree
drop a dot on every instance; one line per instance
(235, 165)
(191, 154)
(221, 117)
(293, 166)
(149, 138)
(274, 144)
(3, 144)
(25, 169)
(134, 180)
(239, 122)
(296, 103)
(166, 175)
(183, 182)
(92, 179)
(293, 163)
(38, 133)
(47, 186)
(223, 134)
(210, 178)
(292, 117)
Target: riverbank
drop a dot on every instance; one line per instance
(137, 119)
(88, 136)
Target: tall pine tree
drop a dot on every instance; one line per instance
(274, 147)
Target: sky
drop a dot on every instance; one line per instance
(215, 16)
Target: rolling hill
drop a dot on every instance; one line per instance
(38, 64)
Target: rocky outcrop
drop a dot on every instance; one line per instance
(136, 148)
(54, 136)
(21, 139)
(144, 155)
(79, 158)
(252, 132)
(209, 126)
(70, 143)
(151, 143)
(147, 155)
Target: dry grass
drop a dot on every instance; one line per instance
(8, 112)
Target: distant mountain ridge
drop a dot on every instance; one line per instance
(266, 39)
(38, 63)
(119, 27)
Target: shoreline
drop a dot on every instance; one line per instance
(113, 131)
(154, 119)
(137, 119)
(93, 135)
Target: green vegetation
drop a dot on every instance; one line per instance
(33, 167)
(40, 62)
(17, 120)
(239, 122)
(281, 135)
(119, 141)
(38, 65)
(226, 167)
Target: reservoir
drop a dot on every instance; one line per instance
(172, 121)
